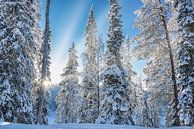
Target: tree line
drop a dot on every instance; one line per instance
(107, 93)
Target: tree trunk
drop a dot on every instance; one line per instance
(173, 75)
(40, 106)
(44, 65)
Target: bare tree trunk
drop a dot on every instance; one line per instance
(46, 39)
(173, 75)
(40, 106)
(44, 72)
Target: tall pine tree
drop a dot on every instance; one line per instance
(114, 105)
(37, 34)
(68, 100)
(153, 44)
(89, 110)
(17, 45)
(126, 56)
(185, 68)
(41, 107)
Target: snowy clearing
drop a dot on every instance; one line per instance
(6, 125)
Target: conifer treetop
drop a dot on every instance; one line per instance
(115, 36)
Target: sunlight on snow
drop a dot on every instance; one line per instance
(4, 123)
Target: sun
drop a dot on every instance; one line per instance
(46, 83)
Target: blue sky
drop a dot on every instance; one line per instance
(68, 20)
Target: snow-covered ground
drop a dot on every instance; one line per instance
(5, 125)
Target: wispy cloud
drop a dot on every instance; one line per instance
(59, 55)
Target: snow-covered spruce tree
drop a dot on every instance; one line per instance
(185, 68)
(68, 100)
(61, 101)
(126, 56)
(114, 105)
(61, 111)
(159, 94)
(147, 120)
(172, 47)
(90, 108)
(37, 34)
(153, 44)
(142, 111)
(16, 63)
(41, 104)
(174, 35)
(139, 103)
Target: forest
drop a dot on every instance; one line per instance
(107, 92)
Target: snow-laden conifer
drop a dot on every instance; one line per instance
(68, 100)
(41, 104)
(17, 45)
(155, 46)
(185, 68)
(90, 105)
(114, 105)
